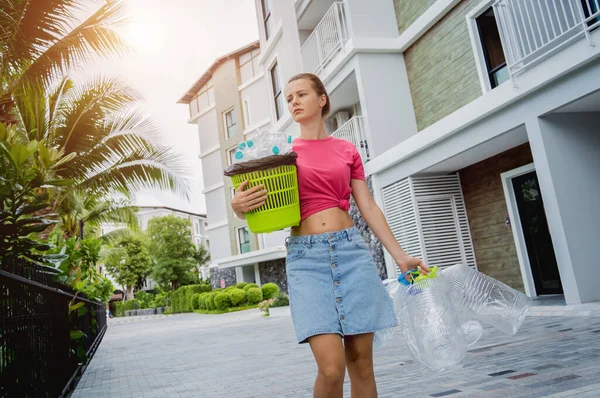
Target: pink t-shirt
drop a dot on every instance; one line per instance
(325, 168)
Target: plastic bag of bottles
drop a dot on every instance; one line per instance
(440, 314)
(264, 144)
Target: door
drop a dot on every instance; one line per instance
(537, 235)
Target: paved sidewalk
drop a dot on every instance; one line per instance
(246, 355)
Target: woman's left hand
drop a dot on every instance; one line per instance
(407, 262)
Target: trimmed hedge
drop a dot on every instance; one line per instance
(238, 296)
(128, 305)
(241, 285)
(210, 301)
(269, 290)
(250, 286)
(195, 297)
(202, 300)
(181, 299)
(254, 295)
(222, 301)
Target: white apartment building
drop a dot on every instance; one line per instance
(466, 113)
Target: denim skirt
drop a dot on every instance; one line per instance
(334, 286)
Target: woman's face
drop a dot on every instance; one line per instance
(303, 101)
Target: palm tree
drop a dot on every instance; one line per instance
(42, 39)
(106, 145)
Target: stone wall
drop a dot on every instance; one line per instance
(374, 243)
(273, 272)
(407, 11)
(441, 67)
(493, 240)
(217, 274)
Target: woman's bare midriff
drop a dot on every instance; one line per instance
(329, 220)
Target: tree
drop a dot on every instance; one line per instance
(171, 247)
(201, 256)
(129, 262)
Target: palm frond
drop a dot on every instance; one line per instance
(72, 46)
(113, 213)
(116, 235)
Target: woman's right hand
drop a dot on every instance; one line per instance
(246, 200)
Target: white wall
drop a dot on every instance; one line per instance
(372, 18)
(212, 169)
(219, 247)
(258, 98)
(216, 210)
(208, 131)
(566, 150)
(276, 238)
(386, 102)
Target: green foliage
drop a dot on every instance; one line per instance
(222, 301)
(269, 290)
(129, 261)
(210, 301)
(195, 304)
(218, 289)
(238, 296)
(172, 250)
(128, 305)
(250, 286)
(145, 299)
(181, 299)
(202, 300)
(160, 300)
(241, 285)
(281, 300)
(254, 295)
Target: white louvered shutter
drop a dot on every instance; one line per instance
(427, 215)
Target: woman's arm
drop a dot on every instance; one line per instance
(378, 224)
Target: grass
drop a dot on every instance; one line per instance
(233, 309)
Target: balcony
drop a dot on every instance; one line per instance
(533, 30)
(326, 41)
(353, 131)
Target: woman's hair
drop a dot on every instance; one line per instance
(319, 87)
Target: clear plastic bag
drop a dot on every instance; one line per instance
(262, 145)
(486, 299)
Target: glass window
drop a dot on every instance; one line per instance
(278, 96)
(231, 155)
(197, 224)
(492, 48)
(230, 124)
(266, 17)
(244, 240)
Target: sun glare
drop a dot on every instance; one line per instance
(144, 33)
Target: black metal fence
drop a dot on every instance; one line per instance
(38, 355)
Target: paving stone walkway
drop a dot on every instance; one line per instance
(246, 355)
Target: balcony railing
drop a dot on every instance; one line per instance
(532, 30)
(328, 38)
(353, 131)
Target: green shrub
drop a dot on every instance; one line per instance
(269, 290)
(241, 285)
(210, 301)
(202, 300)
(238, 296)
(206, 288)
(144, 298)
(217, 290)
(195, 297)
(281, 300)
(128, 305)
(254, 295)
(222, 301)
(160, 300)
(181, 299)
(250, 286)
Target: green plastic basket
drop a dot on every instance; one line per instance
(282, 207)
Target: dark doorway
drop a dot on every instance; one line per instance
(537, 235)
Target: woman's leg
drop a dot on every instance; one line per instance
(359, 360)
(329, 354)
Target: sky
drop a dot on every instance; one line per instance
(174, 42)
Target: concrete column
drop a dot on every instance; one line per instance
(566, 152)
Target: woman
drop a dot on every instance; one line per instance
(337, 299)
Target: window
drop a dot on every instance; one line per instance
(277, 95)
(198, 242)
(246, 113)
(197, 225)
(207, 245)
(243, 240)
(232, 192)
(231, 155)
(492, 48)
(204, 100)
(266, 17)
(230, 125)
(249, 65)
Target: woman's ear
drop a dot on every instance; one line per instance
(322, 100)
